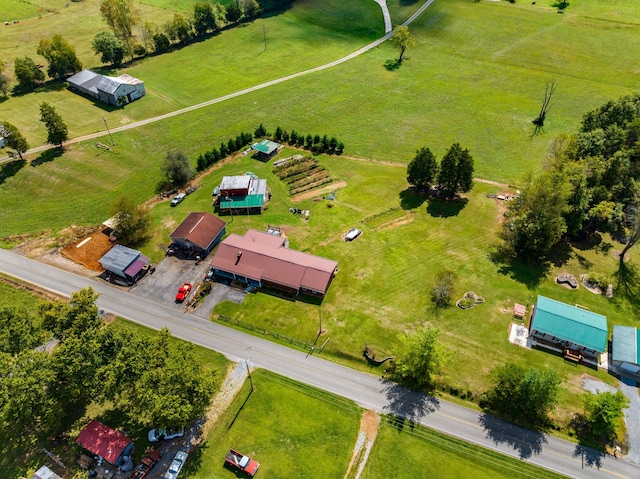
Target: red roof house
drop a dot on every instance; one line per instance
(105, 442)
(263, 260)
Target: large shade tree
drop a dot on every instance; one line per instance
(60, 55)
(57, 131)
(422, 170)
(132, 221)
(28, 74)
(13, 138)
(456, 171)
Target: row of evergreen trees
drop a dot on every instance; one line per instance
(315, 143)
(214, 155)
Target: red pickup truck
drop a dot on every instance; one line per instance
(146, 464)
(242, 462)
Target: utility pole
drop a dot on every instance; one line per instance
(264, 31)
(105, 124)
(246, 362)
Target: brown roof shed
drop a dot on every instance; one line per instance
(200, 230)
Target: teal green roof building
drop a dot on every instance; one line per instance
(570, 324)
(238, 202)
(626, 344)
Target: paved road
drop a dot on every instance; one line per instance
(366, 390)
(171, 114)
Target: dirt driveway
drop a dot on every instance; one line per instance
(161, 287)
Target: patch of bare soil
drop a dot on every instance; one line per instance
(307, 195)
(404, 220)
(224, 397)
(88, 250)
(53, 257)
(369, 424)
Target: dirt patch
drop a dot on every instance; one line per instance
(307, 195)
(88, 250)
(369, 424)
(406, 219)
(53, 257)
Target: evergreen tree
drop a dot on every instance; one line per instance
(422, 170)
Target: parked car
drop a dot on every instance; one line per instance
(243, 463)
(178, 199)
(176, 465)
(165, 434)
(189, 190)
(352, 234)
(183, 292)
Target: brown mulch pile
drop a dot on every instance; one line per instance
(87, 253)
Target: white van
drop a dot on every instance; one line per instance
(352, 234)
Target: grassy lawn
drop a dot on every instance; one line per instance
(11, 297)
(428, 454)
(290, 429)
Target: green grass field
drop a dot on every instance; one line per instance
(430, 455)
(290, 429)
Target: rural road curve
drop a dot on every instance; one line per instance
(366, 48)
(366, 390)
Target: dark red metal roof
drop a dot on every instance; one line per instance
(103, 441)
(263, 257)
(199, 228)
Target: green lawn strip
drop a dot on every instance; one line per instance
(415, 451)
(292, 430)
(12, 297)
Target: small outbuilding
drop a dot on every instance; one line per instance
(103, 441)
(45, 473)
(126, 263)
(199, 233)
(266, 149)
(576, 332)
(117, 91)
(625, 354)
(242, 194)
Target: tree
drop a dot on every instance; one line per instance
(57, 131)
(14, 139)
(120, 16)
(73, 319)
(260, 132)
(443, 288)
(27, 73)
(157, 382)
(60, 55)
(20, 330)
(419, 359)
(204, 19)
(177, 170)
(421, 172)
(524, 395)
(402, 39)
(27, 401)
(535, 220)
(603, 412)
(456, 171)
(132, 221)
(161, 42)
(234, 11)
(5, 81)
(110, 48)
(179, 29)
(251, 8)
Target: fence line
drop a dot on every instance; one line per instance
(266, 332)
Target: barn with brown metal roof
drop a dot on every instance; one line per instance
(199, 232)
(263, 260)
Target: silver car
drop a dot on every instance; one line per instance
(176, 465)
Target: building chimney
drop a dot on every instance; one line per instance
(238, 257)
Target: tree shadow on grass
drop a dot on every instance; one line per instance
(445, 209)
(47, 156)
(407, 404)
(628, 284)
(7, 170)
(392, 65)
(411, 199)
(525, 442)
(531, 275)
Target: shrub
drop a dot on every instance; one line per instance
(443, 288)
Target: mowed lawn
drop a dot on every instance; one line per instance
(410, 452)
(304, 37)
(292, 430)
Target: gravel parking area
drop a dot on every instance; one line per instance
(171, 273)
